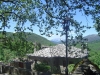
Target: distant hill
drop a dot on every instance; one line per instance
(93, 42)
(93, 38)
(37, 38)
(32, 37)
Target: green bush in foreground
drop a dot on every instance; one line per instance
(70, 67)
(42, 67)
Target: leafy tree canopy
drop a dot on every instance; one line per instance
(48, 14)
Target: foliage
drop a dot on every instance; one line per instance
(54, 70)
(14, 47)
(19, 45)
(94, 56)
(32, 37)
(42, 67)
(48, 14)
(6, 55)
(94, 52)
(17, 10)
(93, 46)
(70, 67)
(38, 46)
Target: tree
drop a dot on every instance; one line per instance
(38, 46)
(18, 10)
(47, 14)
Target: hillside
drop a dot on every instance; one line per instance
(37, 38)
(94, 42)
(93, 46)
(92, 38)
(32, 37)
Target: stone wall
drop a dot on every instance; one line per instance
(86, 67)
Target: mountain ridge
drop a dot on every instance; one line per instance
(90, 38)
(32, 37)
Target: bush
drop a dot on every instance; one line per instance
(54, 70)
(42, 67)
(70, 67)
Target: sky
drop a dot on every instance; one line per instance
(79, 17)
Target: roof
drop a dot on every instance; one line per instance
(60, 51)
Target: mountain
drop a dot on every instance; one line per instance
(32, 37)
(93, 42)
(92, 38)
(39, 39)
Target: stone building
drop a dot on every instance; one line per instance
(56, 56)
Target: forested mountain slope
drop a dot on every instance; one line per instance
(32, 37)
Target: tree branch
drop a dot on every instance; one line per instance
(3, 21)
(11, 13)
(7, 1)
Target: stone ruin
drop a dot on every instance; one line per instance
(86, 67)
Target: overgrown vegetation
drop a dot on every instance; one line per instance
(70, 67)
(42, 67)
(15, 47)
(94, 56)
(94, 52)
(46, 15)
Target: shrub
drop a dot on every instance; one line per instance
(42, 67)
